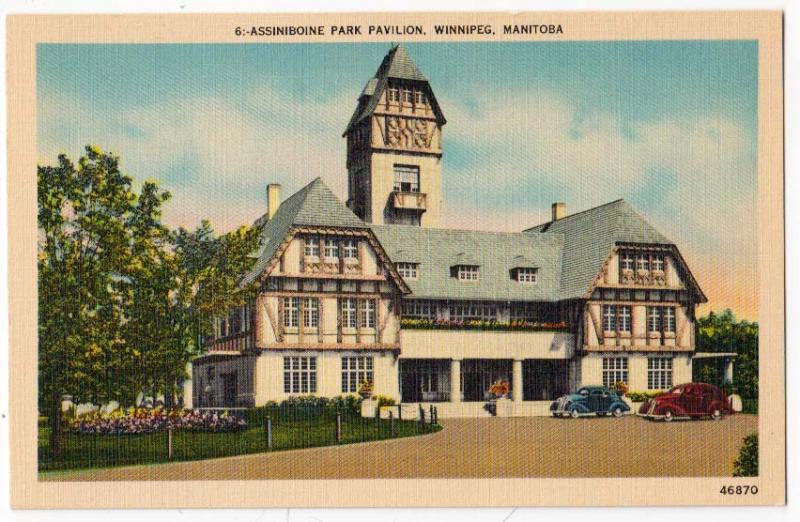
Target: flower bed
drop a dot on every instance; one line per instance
(142, 420)
(438, 324)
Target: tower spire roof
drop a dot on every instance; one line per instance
(396, 65)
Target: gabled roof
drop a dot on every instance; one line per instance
(436, 250)
(398, 65)
(313, 205)
(590, 237)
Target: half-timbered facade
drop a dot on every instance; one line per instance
(373, 290)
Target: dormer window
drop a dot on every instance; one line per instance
(658, 263)
(350, 249)
(331, 248)
(467, 272)
(642, 263)
(394, 94)
(311, 247)
(407, 270)
(526, 275)
(626, 261)
(406, 178)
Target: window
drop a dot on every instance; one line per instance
(394, 94)
(407, 270)
(660, 319)
(348, 313)
(657, 262)
(616, 318)
(669, 319)
(368, 313)
(472, 312)
(418, 309)
(312, 247)
(467, 272)
(642, 262)
(408, 96)
(659, 373)
(528, 312)
(299, 374)
(626, 261)
(350, 248)
(406, 178)
(624, 318)
(331, 248)
(420, 98)
(290, 307)
(609, 318)
(355, 370)
(310, 312)
(615, 369)
(527, 275)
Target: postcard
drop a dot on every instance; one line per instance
(472, 259)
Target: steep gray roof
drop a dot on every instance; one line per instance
(437, 250)
(313, 205)
(397, 64)
(589, 238)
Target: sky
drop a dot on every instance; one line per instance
(671, 126)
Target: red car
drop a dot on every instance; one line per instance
(688, 401)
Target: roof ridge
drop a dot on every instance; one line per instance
(618, 200)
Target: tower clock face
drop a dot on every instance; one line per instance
(408, 133)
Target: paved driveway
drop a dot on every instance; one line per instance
(487, 447)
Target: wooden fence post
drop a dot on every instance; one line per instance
(391, 424)
(268, 432)
(338, 427)
(400, 411)
(431, 416)
(169, 443)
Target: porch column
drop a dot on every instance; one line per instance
(728, 370)
(455, 380)
(517, 380)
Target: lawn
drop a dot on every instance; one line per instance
(289, 432)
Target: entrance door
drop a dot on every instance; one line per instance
(230, 387)
(544, 379)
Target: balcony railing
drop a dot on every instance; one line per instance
(410, 201)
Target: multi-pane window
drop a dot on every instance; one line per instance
(350, 249)
(527, 275)
(660, 319)
(310, 312)
(349, 313)
(609, 318)
(407, 270)
(528, 312)
(408, 96)
(290, 310)
(394, 94)
(615, 369)
(472, 312)
(331, 248)
(642, 262)
(418, 309)
(420, 98)
(467, 272)
(299, 374)
(626, 261)
(355, 370)
(659, 373)
(657, 262)
(368, 313)
(311, 247)
(406, 178)
(616, 318)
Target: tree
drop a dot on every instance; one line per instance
(81, 250)
(723, 333)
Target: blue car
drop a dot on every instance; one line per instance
(590, 400)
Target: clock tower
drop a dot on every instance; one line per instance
(394, 147)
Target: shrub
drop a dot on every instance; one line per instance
(642, 396)
(621, 387)
(746, 464)
(383, 400)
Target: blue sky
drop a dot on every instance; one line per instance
(669, 126)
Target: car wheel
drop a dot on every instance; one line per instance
(575, 413)
(617, 412)
(716, 414)
(668, 417)
(601, 414)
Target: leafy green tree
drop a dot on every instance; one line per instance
(81, 249)
(746, 465)
(723, 333)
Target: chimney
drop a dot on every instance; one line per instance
(273, 199)
(559, 211)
